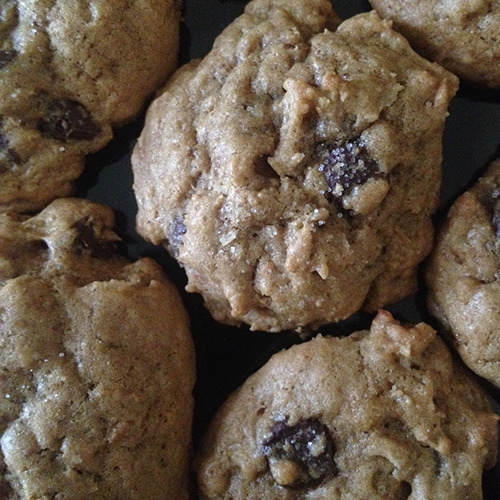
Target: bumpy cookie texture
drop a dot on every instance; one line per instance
(381, 414)
(463, 275)
(96, 363)
(70, 70)
(293, 170)
(462, 35)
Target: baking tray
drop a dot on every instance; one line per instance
(227, 355)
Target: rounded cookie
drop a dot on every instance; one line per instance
(96, 363)
(462, 35)
(69, 72)
(293, 171)
(380, 414)
(463, 275)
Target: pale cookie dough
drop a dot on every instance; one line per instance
(381, 414)
(294, 170)
(463, 275)
(70, 70)
(96, 364)
(462, 35)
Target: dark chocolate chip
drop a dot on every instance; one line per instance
(6, 57)
(346, 166)
(300, 455)
(403, 491)
(87, 241)
(66, 119)
(176, 232)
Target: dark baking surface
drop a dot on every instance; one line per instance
(226, 355)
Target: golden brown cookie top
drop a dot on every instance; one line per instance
(463, 275)
(96, 363)
(384, 413)
(69, 72)
(293, 170)
(462, 35)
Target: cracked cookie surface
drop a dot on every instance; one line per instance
(463, 275)
(384, 413)
(462, 35)
(293, 171)
(96, 363)
(70, 70)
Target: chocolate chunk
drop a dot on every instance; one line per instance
(6, 57)
(300, 455)
(346, 166)
(66, 119)
(176, 231)
(87, 241)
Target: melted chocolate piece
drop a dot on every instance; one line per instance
(87, 241)
(66, 119)
(6, 57)
(300, 455)
(346, 166)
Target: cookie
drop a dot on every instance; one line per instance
(293, 171)
(383, 413)
(463, 275)
(69, 72)
(96, 363)
(462, 35)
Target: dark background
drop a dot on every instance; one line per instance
(226, 355)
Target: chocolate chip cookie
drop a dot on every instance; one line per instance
(69, 72)
(96, 363)
(462, 35)
(463, 275)
(294, 170)
(384, 413)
